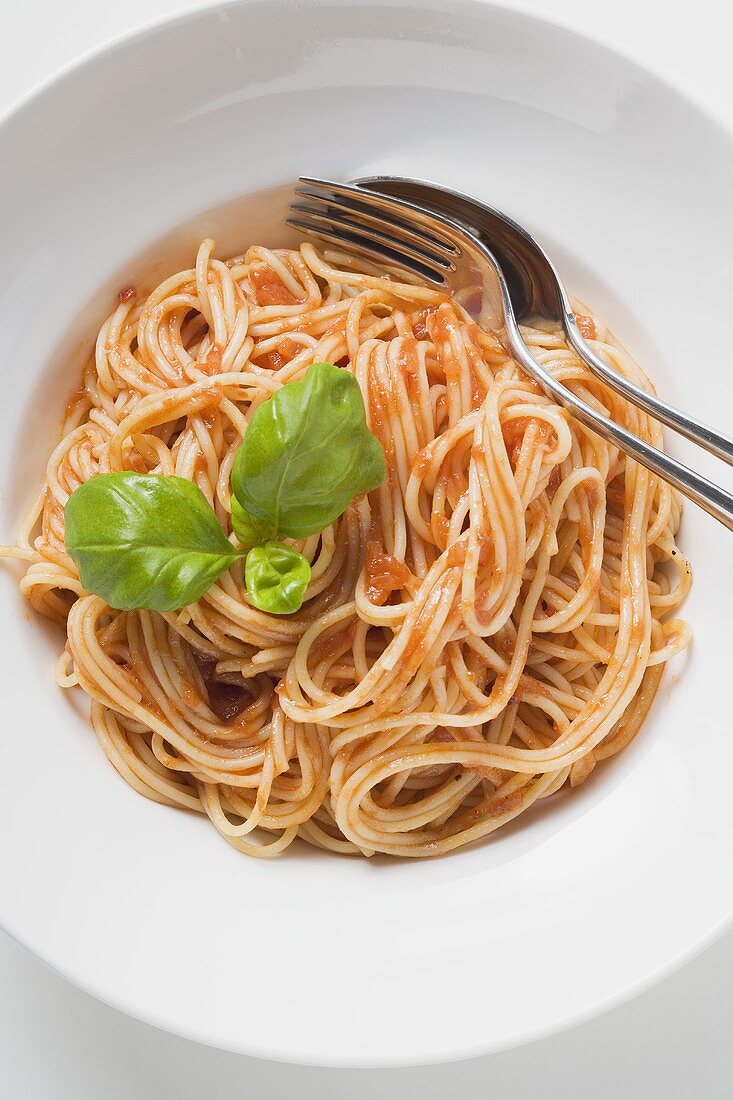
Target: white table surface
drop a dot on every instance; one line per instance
(57, 1043)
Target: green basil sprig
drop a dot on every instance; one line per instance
(306, 453)
(276, 577)
(140, 540)
(249, 531)
(149, 541)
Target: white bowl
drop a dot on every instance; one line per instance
(311, 957)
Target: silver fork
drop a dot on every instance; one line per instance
(447, 253)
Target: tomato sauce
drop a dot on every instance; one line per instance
(268, 289)
(385, 574)
(282, 354)
(587, 326)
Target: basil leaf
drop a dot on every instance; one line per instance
(249, 531)
(140, 540)
(306, 453)
(276, 577)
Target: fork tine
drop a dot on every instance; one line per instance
(376, 225)
(326, 230)
(378, 214)
(381, 235)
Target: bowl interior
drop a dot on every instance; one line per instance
(199, 128)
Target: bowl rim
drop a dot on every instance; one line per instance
(120, 40)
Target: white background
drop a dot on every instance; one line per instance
(673, 1041)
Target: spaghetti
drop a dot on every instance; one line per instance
(478, 632)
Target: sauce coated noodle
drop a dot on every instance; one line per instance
(481, 630)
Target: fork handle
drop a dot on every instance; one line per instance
(687, 426)
(717, 502)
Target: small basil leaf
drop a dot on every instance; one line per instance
(276, 577)
(306, 453)
(140, 540)
(249, 531)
